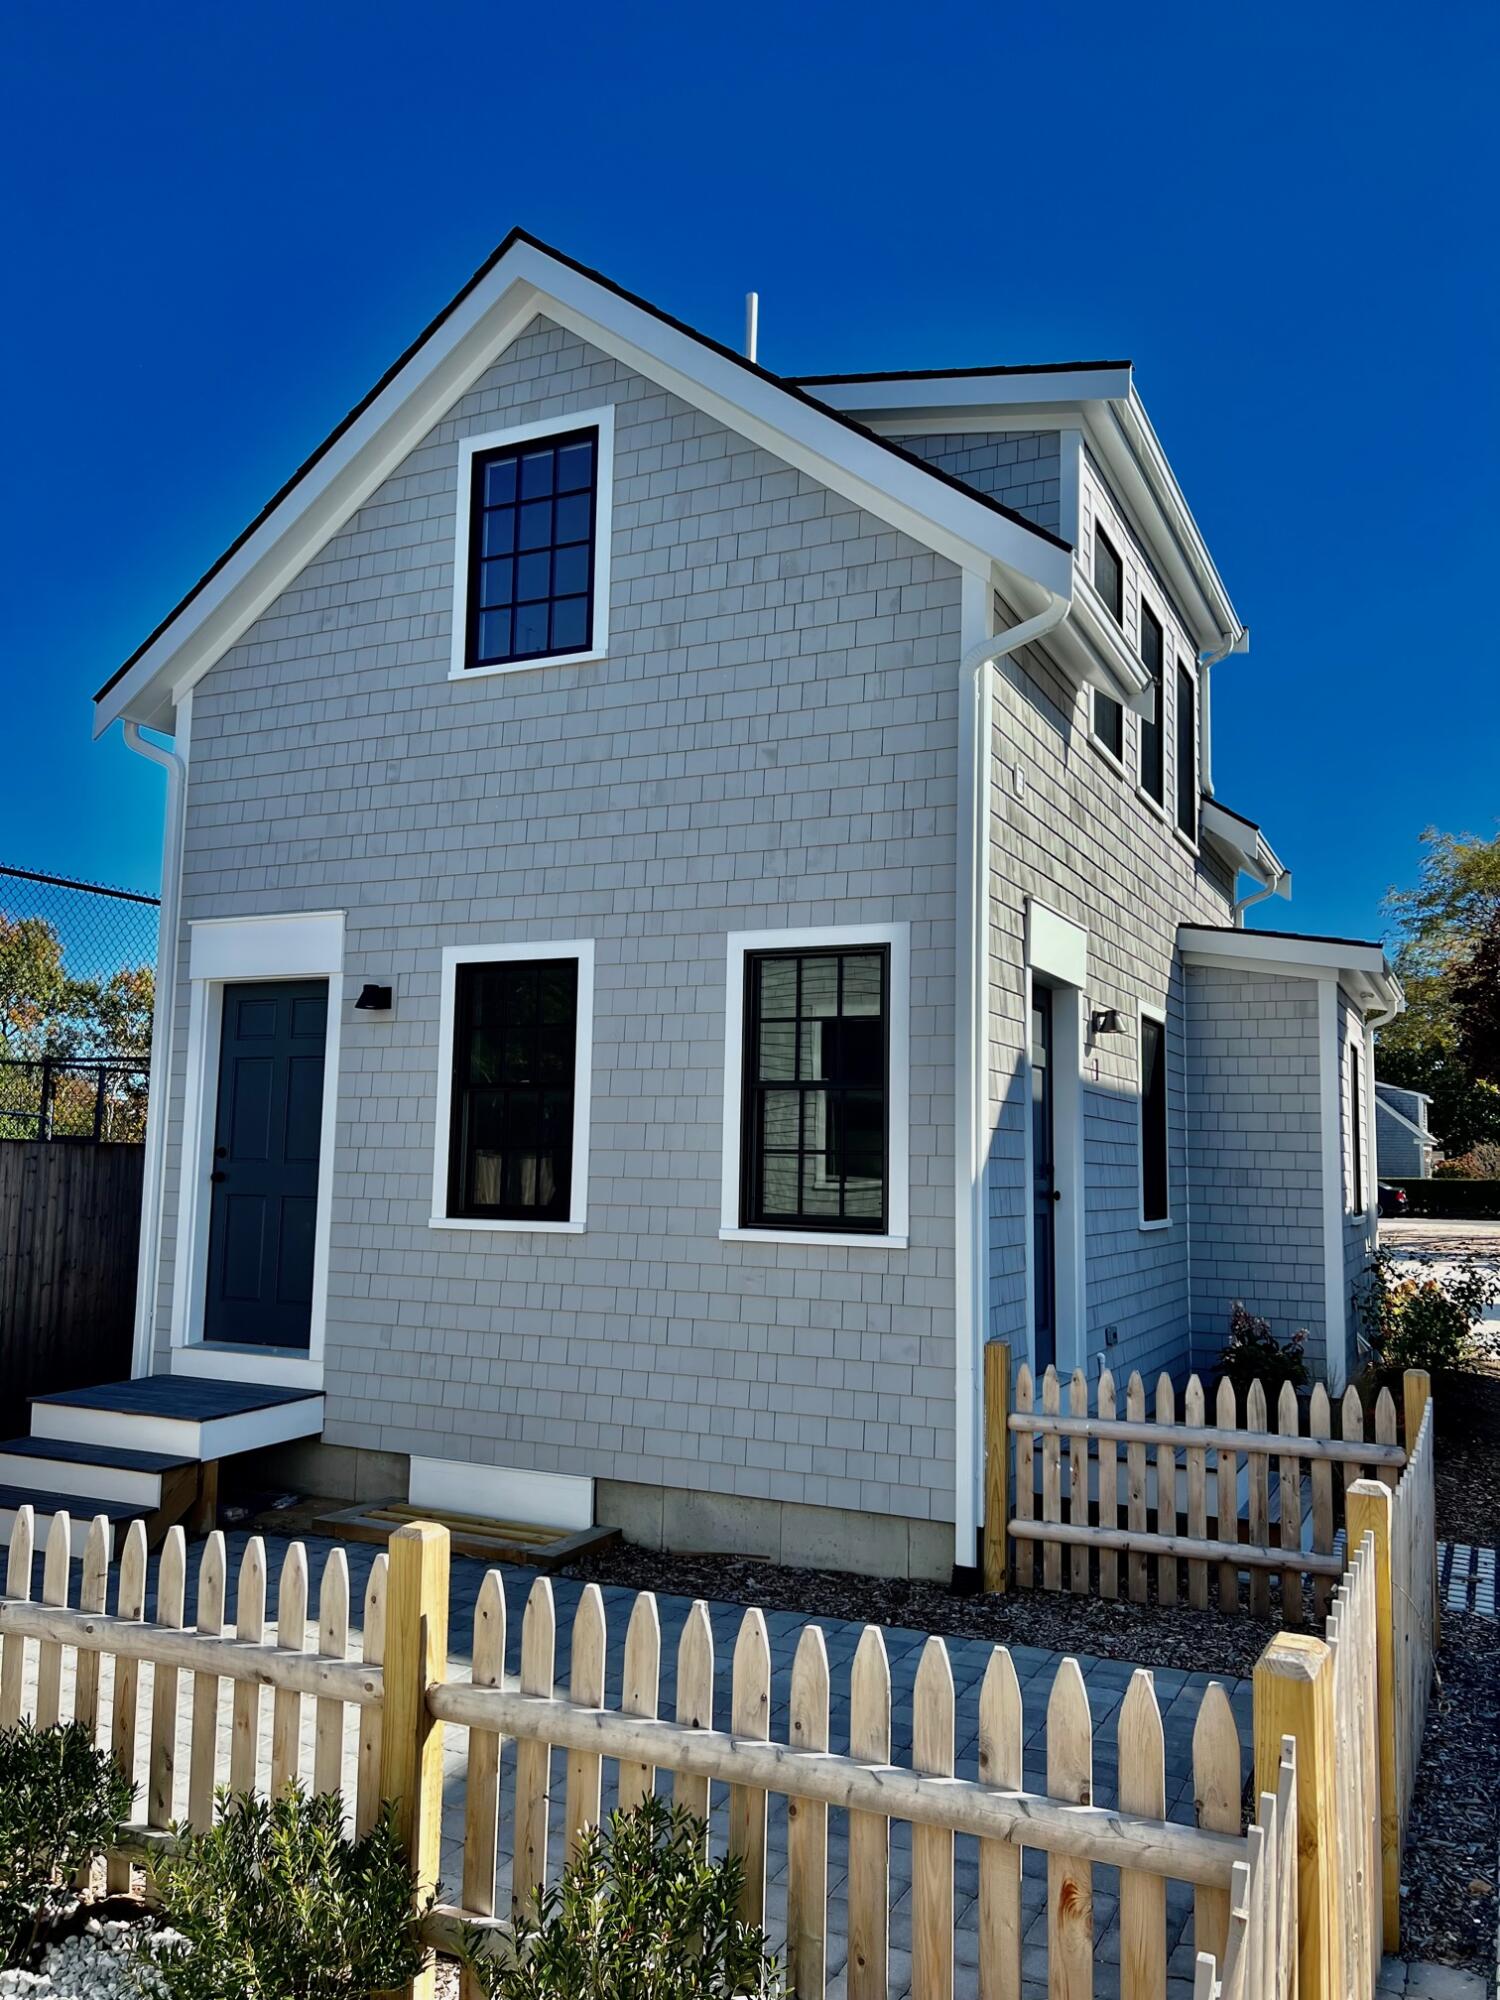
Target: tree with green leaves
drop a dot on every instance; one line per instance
(1447, 1043)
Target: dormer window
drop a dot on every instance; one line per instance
(532, 562)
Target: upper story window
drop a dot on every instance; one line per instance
(1187, 752)
(532, 565)
(1153, 773)
(1109, 581)
(816, 1087)
(1356, 1133)
(515, 1040)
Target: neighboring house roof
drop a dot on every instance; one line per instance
(1360, 963)
(521, 278)
(1418, 1132)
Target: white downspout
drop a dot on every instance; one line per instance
(1237, 642)
(158, 1086)
(971, 1036)
(1258, 896)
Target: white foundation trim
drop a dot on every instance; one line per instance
(223, 950)
(503, 1493)
(602, 420)
(455, 955)
(896, 938)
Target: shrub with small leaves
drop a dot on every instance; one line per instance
(1427, 1321)
(1252, 1353)
(276, 1901)
(61, 1802)
(640, 1914)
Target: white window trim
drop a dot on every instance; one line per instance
(1356, 1158)
(602, 418)
(1185, 663)
(1146, 1012)
(1146, 600)
(896, 938)
(290, 945)
(454, 956)
(1116, 764)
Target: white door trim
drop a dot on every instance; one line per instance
(1057, 948)
(223, 950)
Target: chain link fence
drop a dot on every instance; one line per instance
(77, 988)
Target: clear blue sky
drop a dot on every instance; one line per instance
(224, 223)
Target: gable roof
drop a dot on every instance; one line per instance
(875, 469)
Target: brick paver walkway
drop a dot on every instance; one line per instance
(1106, 1680)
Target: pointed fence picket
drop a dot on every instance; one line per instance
(1182, 1498)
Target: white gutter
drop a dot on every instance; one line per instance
(175, 766)
(1209, 658)
(971, 1041)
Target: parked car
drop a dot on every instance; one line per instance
(1393, 1200)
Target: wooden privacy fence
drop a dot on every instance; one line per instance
(1119, 1492)
(378, 1724)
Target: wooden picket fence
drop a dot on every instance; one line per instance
(379, 1720)
(1198, 1501)
(1300, 1904)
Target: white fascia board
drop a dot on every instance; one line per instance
(1358, 965)
(525, 282)
(1126, 441)
(995, 397)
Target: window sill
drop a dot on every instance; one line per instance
(1164, 1223)
(1152, 804)
(812, 1237)
(509, 1228)
(1102, 749)
(589, 658)
(1186, 840)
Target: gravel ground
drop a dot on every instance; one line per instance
(1146, 1635)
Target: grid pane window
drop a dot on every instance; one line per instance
(1154, 1207)
(1109, 581)
(531, 556)
(815, 1135)
(1154, 727)
(515, 1036)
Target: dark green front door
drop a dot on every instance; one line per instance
(262, 1222)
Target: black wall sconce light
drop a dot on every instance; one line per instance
(374, 1000)
(1105, 1021)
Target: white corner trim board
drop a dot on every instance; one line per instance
(454, 956)
(503, 1493)
(602, 420)
(897, 940)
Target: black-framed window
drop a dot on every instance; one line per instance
(532, 512)
(1154, 1201)
(1153, 773)
(1356, 1136)
(815, 1136)
(1109, 581)
(515, 1039)
(1187, 752)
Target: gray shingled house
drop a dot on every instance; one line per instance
(693, 900)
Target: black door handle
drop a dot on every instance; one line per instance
(218, 1175)
(1056, 1192)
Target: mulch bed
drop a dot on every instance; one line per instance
(1467, 1471)
(1147, 1635)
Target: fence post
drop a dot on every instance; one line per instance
(411, 1742)
(1294, 1697)
(996, 1464)
(1416, 1394)
(1368, 1510)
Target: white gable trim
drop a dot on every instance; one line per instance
(524, 282)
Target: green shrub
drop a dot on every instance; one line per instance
(1424, 1322)
(1252, 1353)
(61, 1803)
(640, 1914)
(274, 1901)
